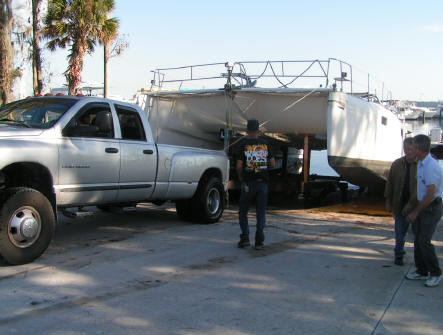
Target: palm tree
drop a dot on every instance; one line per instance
(78, 23)
(108, 34)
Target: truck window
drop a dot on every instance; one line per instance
(130, 124)
(93, 120)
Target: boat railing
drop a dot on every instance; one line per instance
(332, 73)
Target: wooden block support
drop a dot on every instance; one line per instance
(306, 162)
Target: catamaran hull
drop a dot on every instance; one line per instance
(363, 139)
(361, 172)
(196, 119)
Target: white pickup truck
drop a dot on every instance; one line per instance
(66, 151)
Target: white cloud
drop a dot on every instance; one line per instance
(434, 28)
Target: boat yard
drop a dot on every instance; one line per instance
(121, 213)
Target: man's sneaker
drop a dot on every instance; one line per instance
(243, 243)
(416, 276)
(433, 281)
(399, 261)
(259, 246)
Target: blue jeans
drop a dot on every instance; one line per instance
(258, 191)
(426, 260)
(401, 229)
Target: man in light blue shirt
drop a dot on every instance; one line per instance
(426, 215)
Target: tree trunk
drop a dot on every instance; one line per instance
(36, 51)
(105, 68)
(6, 52)
(73, 73)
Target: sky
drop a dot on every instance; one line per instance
(399, 43)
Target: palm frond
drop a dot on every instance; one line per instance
(109, 30)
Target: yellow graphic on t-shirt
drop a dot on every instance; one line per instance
(256, 157)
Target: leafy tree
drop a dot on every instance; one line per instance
(79, 24)
(115, 49)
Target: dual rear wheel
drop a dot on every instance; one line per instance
(207, 205)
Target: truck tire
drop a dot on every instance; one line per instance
(27, 224)
(209, 201)
(184, 210)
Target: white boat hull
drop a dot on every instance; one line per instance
(362, 138)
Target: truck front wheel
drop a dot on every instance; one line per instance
(27, 224)
(209, 200)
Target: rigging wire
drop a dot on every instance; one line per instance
(293, 80)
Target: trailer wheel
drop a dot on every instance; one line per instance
(209, 201)
(27, 224)
(184, 210)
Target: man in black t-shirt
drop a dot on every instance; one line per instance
(253, 163)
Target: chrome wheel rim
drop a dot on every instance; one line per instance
(24, 227)
(213, 201)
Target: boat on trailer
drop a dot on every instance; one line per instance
(361, 136)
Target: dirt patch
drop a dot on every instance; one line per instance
(363, 206)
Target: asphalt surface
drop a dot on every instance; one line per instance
(146, 272)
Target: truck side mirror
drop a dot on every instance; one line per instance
(66, 132)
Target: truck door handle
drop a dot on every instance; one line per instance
(148, 152)
(111, 150)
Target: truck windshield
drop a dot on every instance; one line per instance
(35, 113)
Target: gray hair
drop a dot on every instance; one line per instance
(423, 143)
